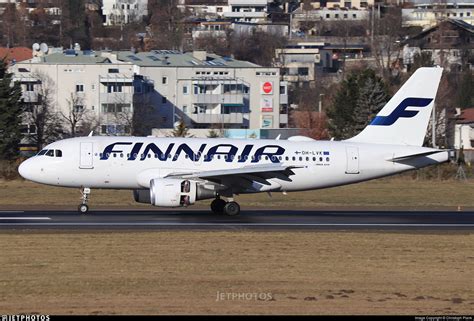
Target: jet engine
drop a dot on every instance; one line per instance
(173, 192)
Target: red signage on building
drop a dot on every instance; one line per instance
(267, 87)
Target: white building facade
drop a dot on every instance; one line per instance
(117, 12)
(204, 90)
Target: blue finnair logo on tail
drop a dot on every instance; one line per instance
(401, 112)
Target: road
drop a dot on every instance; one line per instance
(251, 219)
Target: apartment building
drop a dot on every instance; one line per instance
(247, 10)
(427, 14)
(117, 12)
(94, 84)
(208, 91)
(159, 87)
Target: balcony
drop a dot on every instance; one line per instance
(229, 99)
(118, 98)
(245, 14)
(283, 119)
(232, 118)
(248, 2)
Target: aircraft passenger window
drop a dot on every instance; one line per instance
(287, 158)
(121, 155)
(59, 153)
(100, 155)
(301, 158)
(327, 159)
(266, 157)
(307, 158)
(280, 158)
(218, 156)
(115, 155)
(50, 153)
(149, 155)
(156, 155)
(108, 155)
(294, 158)
(42, 152)
(320, 159)
(314, 159)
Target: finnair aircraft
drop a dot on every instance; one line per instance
(177, 172)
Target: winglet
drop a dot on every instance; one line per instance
(90, 134)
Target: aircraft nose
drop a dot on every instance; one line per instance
(26, 169)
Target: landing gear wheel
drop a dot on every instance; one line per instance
(83, 208)
(232, 209)
(217, 206)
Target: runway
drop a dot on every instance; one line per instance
(251, 219)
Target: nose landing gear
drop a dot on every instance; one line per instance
(83, 208)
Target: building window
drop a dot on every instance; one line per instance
(328, 16)
(113, 71)
(78, 108)
(303, 71)
(79, 88)
(163, 100)
(116, 108)
(185, 90)
(185, 109)
(164, 80)
(115, 88)
(30, 87)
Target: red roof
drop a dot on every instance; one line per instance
(467, 116)
(18, 54)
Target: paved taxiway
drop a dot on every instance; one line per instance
(251, 219)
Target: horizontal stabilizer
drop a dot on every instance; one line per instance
(400, 158)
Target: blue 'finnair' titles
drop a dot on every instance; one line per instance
(229, 151)
(401, 112)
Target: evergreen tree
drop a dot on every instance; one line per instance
(181, 130)
(213, 133)
(372, 97)
(465, 92)
(359, 98)
(10, 114)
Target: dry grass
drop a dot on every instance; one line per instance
(389, 193)
(181, 272)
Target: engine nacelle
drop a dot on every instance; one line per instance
(172, 192)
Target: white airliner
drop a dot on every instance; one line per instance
(175, 172)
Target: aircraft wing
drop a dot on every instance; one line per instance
(243, 177)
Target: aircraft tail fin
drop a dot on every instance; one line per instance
(404, 119)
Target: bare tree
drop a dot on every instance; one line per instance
(76, 116)
(385, 37)
(42, 113)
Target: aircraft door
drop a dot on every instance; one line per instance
(86, 153)
(352, 154)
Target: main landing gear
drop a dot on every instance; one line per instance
(83, 208)
(219, 206)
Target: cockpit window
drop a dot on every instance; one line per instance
(59, 153)
(42, 152)
(50, 153)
